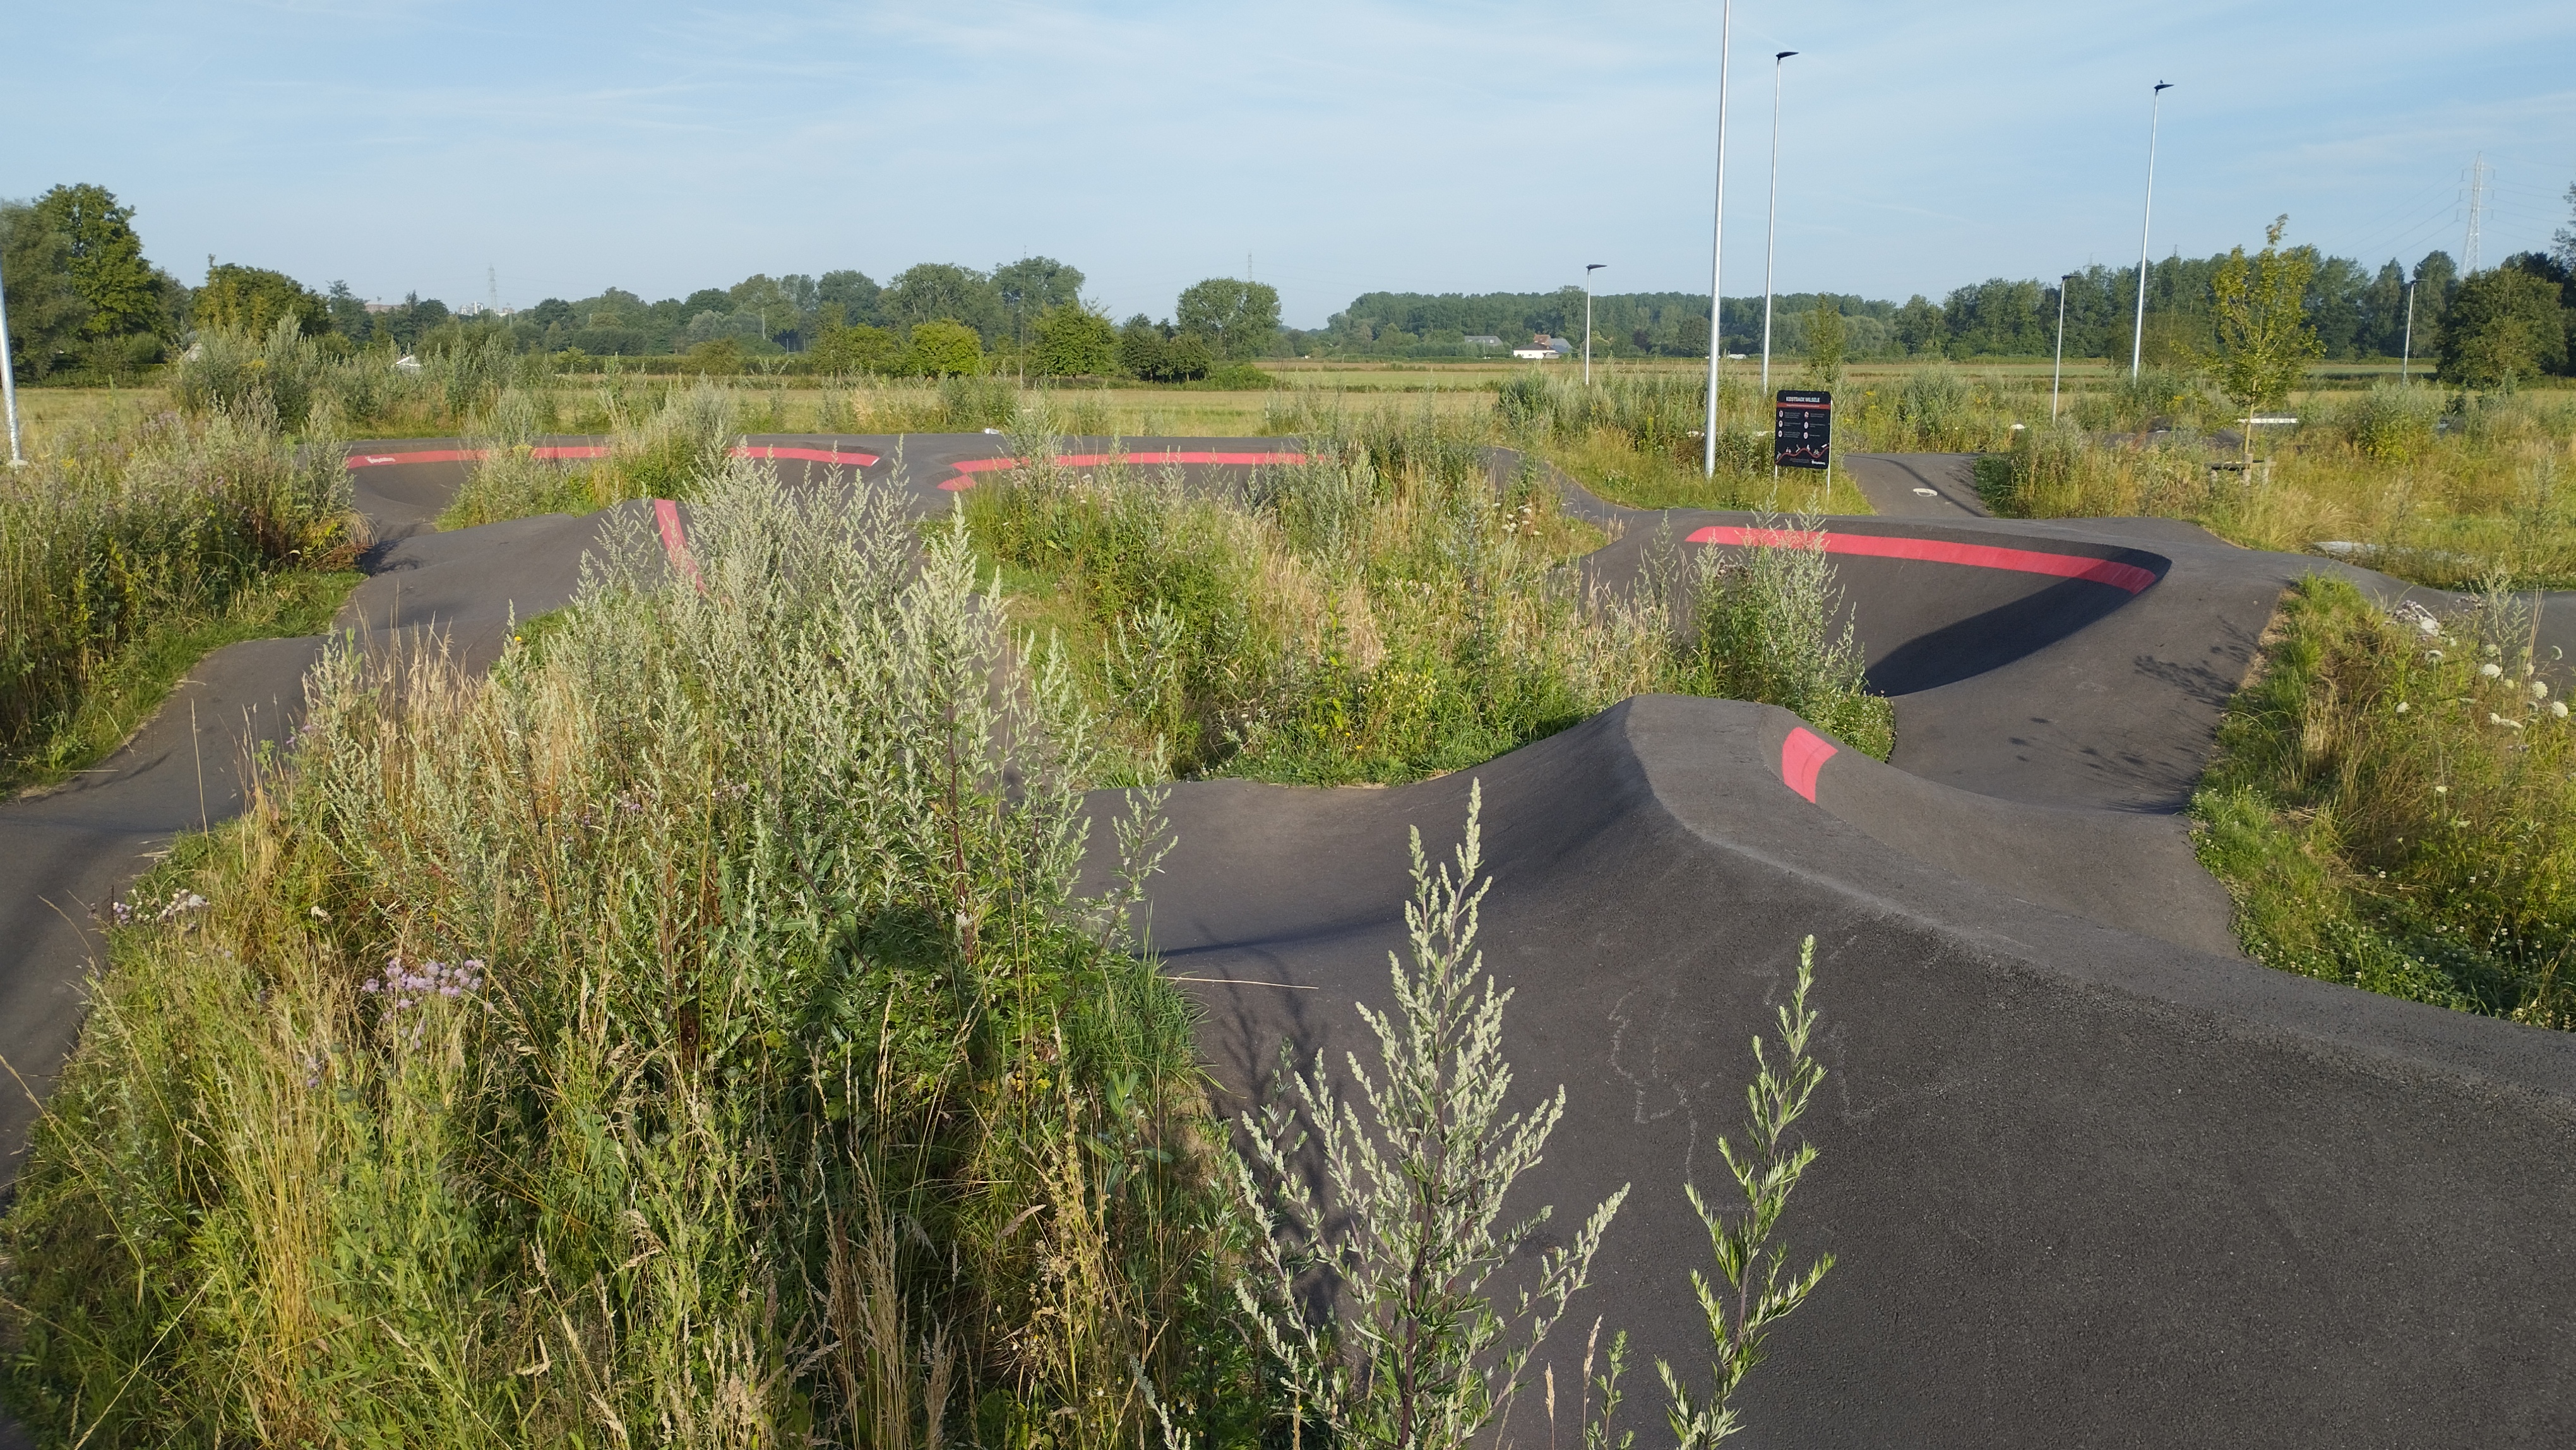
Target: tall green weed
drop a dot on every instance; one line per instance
(593, 1053)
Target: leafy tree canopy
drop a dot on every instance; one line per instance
(944, 348)
(252, 299)
(1240, 319)
(1074, 341)
(2503, 327)
(1033, 285)
(123, 292)
(2264, 338)
(852, 292)
(937, 292)
(45, 311)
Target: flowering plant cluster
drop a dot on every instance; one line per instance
(406, 989)
(181, 902)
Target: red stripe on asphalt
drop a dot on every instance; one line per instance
(584, 451)
(1939, 551)
(440, 455)
(675, 540)
(1801, 756)
(973, 466)
(809, 455)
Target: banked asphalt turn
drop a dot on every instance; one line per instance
(2091, 1176)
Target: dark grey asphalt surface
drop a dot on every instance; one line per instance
(2093, 1179)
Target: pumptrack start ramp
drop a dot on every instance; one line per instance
(2091, 1178)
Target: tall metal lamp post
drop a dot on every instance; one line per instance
(1588, 269)
(2060, 370)
(9, 386)
(2405, 350)
(1771, 225)
(2138, 338)
(1717, 248)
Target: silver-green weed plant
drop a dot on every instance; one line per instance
(1760, 1289)
(1406, 1228)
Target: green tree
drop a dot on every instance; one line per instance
(252, 299)
(852, 291)
(937, 292)
(1825, 344)
(2563, 241)
(2505, 326)
(1035, 285)
(45, 313)
(943, 348)
(1919, 326)
(349, 315)
(1241, 319)
(2264, 340)
(1142, 349)
(861, 349)
(1073, 341)
(123, 292)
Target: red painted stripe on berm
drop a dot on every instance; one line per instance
(1938, 551)
(595, 450)
(1801, 756)
(675, 541)
(967, 470)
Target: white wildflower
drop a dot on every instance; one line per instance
(2558, 708)
(2539, 691)
(2490, 671)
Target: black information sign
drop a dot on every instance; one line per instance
(1802, 429)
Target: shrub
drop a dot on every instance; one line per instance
(125, 535)
(2391, 423)
(944, 349)
(1073, 341)
(1761, 627)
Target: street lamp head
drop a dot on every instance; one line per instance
(2163, 86)
(1784, 55)
(1591, 267)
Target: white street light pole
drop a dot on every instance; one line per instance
(1588, 270)
(2060, 370)
(2138, 338)
(1771, 225)
(9, 386)
(1717, 247)
(2404, 349)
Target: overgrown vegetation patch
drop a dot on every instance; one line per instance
(1384, 611)
(2391, 805)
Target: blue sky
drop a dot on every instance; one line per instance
(1345, 147)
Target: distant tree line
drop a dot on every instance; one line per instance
(2515, 320)
(84, 303)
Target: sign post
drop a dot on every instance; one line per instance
(1802, 431)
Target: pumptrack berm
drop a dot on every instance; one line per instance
(2092, 1177)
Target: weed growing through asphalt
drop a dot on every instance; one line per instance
(2391, 800)
(1406, 1217)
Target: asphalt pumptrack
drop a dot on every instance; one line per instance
(2092, 1177)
